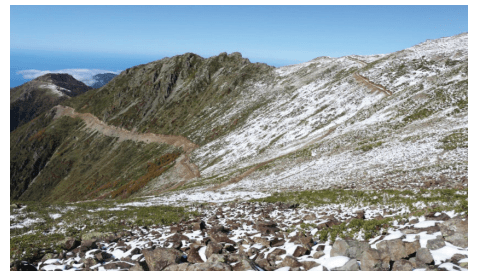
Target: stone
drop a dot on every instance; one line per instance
(360, 214)
(209, 267)
(300, 251)
(277, 242)
(178, 267)
(101, 256)
(160, 258)
(457, 257)
(351, 265)
(70, 243)
(265, 264)
(266, 227)
(193, 254)
(371, 261)
(262, 241)
(411, 247)
(309, 264)
(214, 258)
(417, 263)
(318, 254)
(117, 265)
(139, 266)
(309, 217)
(393, 249)
(455, 231)
(277, 252)
(436, 243)
(402, 265)
(424, 255)
(351, 248)
(290, 262)
(245, 264)
(198, 226)
(213, 248)
(221, 237)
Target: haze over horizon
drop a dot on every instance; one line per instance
(113, 38)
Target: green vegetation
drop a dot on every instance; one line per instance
(454, 140)
(370, 228)
(448, 199)
(79, 219)
(369, 147)
(148, 98)
(77, 164)
(418, 115)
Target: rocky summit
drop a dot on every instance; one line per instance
(190, 163)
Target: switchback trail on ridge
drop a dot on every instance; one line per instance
(190, 170)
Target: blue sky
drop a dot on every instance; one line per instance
(277, 35)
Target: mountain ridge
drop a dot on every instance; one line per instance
(397, 120)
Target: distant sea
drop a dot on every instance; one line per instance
(51, 60)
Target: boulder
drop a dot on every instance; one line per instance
(300, 251)
(455, 231)
(360, 214)
(436, 243)
(209, 267)
(118, 265)
(193, 254)
(371, 261)
(309, 264)
(402, 265)
(351, 265)
(213, 248)
(198, 226)
(318, 254)
(391, 249)
(160, 258)
(424, 255)
(411, 247)
(221, 237)
(290, 262)
(351, 248)
(266, 227)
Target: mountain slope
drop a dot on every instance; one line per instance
(39, 95)
(395, 120)
(102, 79)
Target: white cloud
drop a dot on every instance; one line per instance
(84, 75)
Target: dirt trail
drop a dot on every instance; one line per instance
(365, 81)
(189, 169)
(360, 61)
(371, 85)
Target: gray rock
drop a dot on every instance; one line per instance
(290, 261)
(193, 254)
(351, 265)
(160, 258)
(352, 249)
(213, 248)
(424, 255)
(209, 267)
(371, 261)
(436, 243)
(300, 251)
(402, 265)
(309, 264)
(455, 231)
(391, 249)
(318, 254)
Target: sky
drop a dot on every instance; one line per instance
(113, 38)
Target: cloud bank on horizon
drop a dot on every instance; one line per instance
(84, 75)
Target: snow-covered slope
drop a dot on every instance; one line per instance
(318, 126)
